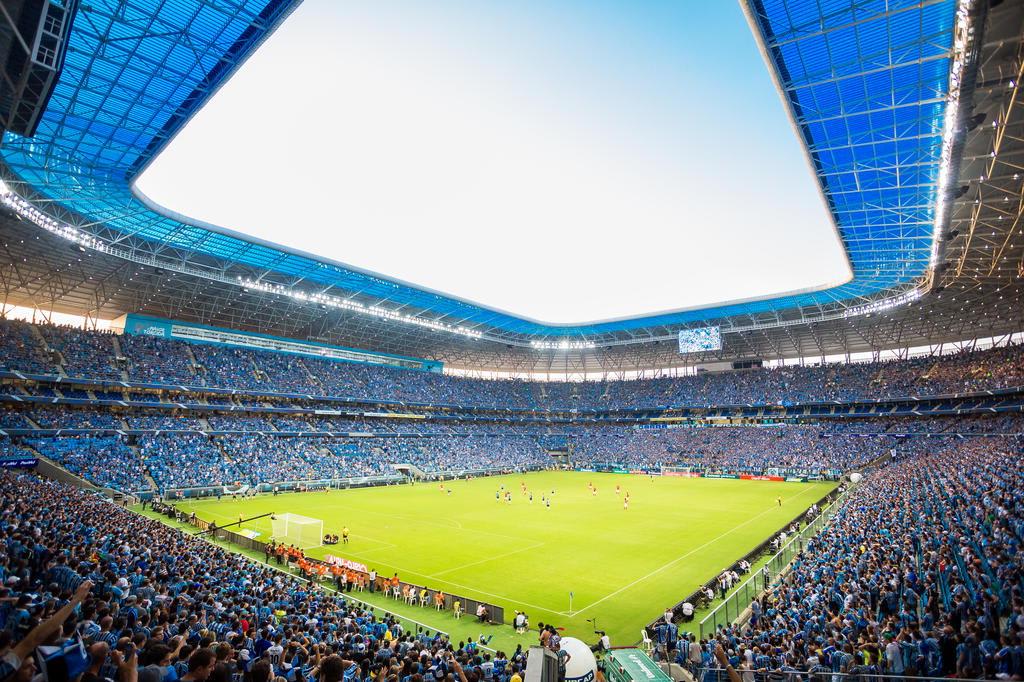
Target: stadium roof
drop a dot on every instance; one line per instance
(547, 159)
(874, 89)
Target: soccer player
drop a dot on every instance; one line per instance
(625, 504)
(779, 500)
(593, 492)
(618, 490)
(344, 535)
(547, 502)
(497, 496)
(531, 498)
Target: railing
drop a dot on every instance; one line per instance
(173, 494)
(697, 598)
(178, 494)
(734, 605)
(720, 675)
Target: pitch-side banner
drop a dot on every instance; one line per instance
(19, 463)
(345, 563)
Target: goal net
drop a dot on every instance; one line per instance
(293, 529)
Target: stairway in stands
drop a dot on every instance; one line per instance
(145, 469)
(120, 358)
(53, 355)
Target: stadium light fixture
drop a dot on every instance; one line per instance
(885, 303)
(348, 304)
(562, 344)
(29, 212)
(84, 240)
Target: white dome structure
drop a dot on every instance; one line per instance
(582, 666)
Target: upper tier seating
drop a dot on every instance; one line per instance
(149, 359)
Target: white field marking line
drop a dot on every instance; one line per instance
(427, 575)
(458, 525)
(455, 524)
(328, 587)
(502, 597)
(492, 558)
(384, 545)
(372, 549)
(218, 514)
(680, 558)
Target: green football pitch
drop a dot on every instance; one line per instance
(622, 566)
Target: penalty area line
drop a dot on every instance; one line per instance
(492, 558)
(504, 598)
(681, 557)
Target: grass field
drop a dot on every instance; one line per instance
(624, 567)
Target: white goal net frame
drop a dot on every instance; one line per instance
(304, 532)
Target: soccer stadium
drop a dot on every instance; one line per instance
(525, 342)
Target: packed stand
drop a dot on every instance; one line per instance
(736, 449)
(104, 460)
(152, 359)
(267, 459)
(920, 572)
(21, 349)
(72, 418)
(186, 460)
(84, 353)
(153, 603)
(164, 422)
(158, 361)
(443, 454)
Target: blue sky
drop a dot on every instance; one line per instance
(565, 161)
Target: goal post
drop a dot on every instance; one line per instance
(304, 532)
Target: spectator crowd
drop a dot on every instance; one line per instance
(150, 603)
(920, 573)
(47, 349)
